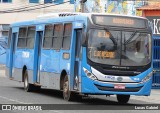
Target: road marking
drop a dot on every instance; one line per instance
(56, 111)
(14, 100)
(53, 111)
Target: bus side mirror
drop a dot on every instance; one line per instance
(84, 37)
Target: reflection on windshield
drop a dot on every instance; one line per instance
(137, 50)
(119, 47)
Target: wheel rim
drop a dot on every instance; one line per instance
(25, 82)
(65, 89)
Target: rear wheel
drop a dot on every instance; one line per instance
(37, 88)
(27, 87)
(67, 94)
(123, 98)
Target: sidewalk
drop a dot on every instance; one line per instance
(153, 98)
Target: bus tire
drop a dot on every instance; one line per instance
(37, 88)
(67, 94)
(123, 99)
(27, 87)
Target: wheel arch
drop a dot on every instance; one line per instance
(23, 71)
(62, 76)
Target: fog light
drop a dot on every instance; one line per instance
(89, 74)
(147, 77)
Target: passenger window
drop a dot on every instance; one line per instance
(67, 36)
(31, 37)
(57, 36)
(47, 43)
(22, 37)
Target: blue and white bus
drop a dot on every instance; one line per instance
(90, 54)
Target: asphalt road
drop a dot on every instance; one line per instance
(12, 92)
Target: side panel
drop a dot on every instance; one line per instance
(17, 75)
(23, 57)
(49, 67)
(50, 80)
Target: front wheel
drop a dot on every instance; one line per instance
(123, 99)
(67, 94)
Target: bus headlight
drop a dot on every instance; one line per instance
(89, 74)
(147, 77)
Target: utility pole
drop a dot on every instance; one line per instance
(82, 5)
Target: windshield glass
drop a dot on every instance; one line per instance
(119, 47)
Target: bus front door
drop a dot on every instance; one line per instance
(77, 63)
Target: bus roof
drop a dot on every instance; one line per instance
(83, 14)
(61, 17)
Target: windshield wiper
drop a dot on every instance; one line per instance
(130, 38)
(112, 38)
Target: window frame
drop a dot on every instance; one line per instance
(52, 37)
(22, 38)
(30, 37)
(55, 36)
(67, 35)
(63, 35)
(48, 37)
(26, 37)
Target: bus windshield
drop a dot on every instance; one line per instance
(121, 48)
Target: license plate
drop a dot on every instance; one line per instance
(119, 86)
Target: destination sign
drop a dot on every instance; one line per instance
(119, 21)
(104, 54)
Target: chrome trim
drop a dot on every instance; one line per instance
(126, 83)
(110, 78)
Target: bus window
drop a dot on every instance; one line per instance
(58, 36)
(30, 37)
(22, 37)
(67, 36)
(9, 37)
(48, 36)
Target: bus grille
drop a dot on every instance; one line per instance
(127, 89)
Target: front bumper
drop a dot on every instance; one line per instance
(107, 88)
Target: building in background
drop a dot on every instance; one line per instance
(111, 6)
(20, 10)
(152, 13)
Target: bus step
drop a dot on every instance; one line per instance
(37, 84)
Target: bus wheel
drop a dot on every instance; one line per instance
(123, 99)
(37, 88)
(27, 86)
(67, 94)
